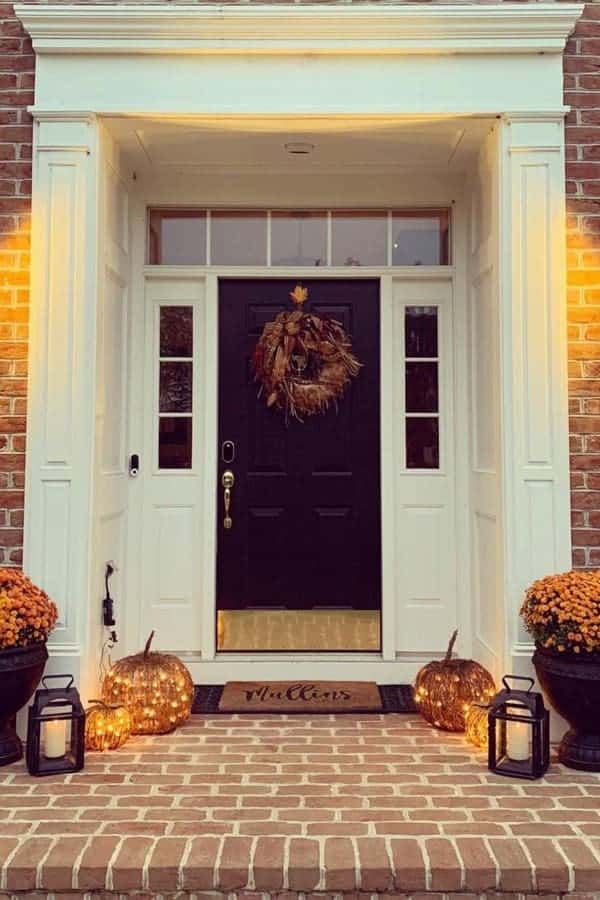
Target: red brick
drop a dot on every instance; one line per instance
(199, 868)
(163, 868)
(268, 863)
(7, 847)
(551, 870)
(22, 871)
(93, 867)
(304, 865)
(340, 865)
(57, 870)
(444, 865)
(128, 866)
(586, 864)
(375, 866)
(514, 867)
(478, 864)
(409, 865)
(234, 865)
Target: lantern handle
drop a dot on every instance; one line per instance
(517, 678)
(48, 677)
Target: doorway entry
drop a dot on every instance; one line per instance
(299, 503)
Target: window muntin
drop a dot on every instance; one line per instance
(306, 238)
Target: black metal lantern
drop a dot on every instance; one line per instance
(55, 729)
(518, 732)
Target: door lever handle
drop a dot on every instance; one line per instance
(227, 480)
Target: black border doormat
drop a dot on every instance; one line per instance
(395, 698)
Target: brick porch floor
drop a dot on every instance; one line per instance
(295, 805)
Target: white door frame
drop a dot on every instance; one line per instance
(390, 664)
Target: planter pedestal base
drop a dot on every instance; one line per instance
(11, 748)
(572, 685)
(580, 751)
(20, 671)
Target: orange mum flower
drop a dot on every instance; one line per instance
(562, 612)
(27, 615)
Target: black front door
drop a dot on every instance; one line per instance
(305, 506)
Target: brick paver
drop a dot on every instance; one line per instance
(282, 806)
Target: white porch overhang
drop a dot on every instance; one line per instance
(205, 62)
(267, 28)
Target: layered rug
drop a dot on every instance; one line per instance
(306, 697)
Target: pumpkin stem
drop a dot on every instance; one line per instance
(448, 655)
(149, 641)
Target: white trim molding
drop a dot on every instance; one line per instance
(265, 28)
(535, 429)
(60, 431)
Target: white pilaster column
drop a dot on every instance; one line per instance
(60, 429)
(534, 431)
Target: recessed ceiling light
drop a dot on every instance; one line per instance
(299, 148)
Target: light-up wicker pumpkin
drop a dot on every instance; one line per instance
(476, 725)
(445, 689)
(107, 726)
(156, 688)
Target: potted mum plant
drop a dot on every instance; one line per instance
(562, 613)
(27, 616)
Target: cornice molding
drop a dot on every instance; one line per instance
(463, 28)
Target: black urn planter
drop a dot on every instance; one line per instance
(20, 671)
(572, 685)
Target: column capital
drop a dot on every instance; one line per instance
(536, 132)
(64, 130)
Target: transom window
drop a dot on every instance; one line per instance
(367, 237)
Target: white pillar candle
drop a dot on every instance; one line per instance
(55, 738)
(517, 735)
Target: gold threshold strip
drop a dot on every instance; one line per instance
(286, 629)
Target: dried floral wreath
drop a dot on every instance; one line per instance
(302, 361)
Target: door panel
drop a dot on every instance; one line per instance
(306, 501)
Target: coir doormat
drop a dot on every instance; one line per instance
(256, 697)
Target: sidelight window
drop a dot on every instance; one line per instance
(421, 380)
(308, 238)
(175, 387)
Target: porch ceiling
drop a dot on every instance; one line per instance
(258, 143)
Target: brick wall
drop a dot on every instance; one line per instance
(582, 92)
(16, 93)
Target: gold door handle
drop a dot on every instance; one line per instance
(227, 480)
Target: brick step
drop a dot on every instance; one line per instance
(295, 895)
(231, 864)
(291, 805)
